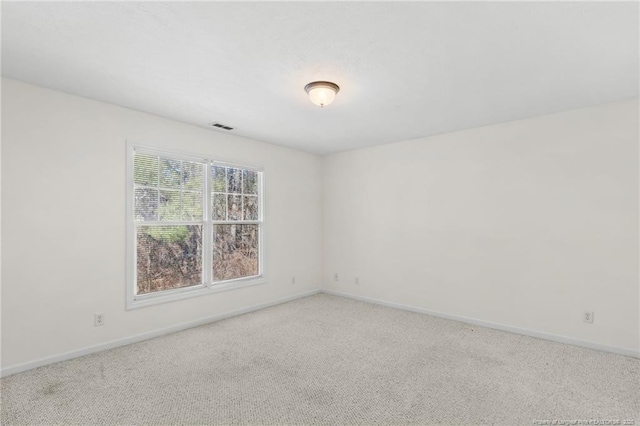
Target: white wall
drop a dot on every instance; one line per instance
(524, 224)
(63, 221)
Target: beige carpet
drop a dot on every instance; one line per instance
(326, 360)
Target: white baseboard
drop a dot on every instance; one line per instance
(167, 330)
(493, 325)
(145, 336)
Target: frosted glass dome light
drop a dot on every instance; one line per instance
(322, 93)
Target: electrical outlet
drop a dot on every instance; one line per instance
(98, 320)
(335, 276)
(357, 281)
(293, 280)
(587, 316)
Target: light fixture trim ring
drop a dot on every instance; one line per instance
(327, 84)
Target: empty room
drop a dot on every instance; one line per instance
(320, 213)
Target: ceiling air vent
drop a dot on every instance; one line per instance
(221, 126)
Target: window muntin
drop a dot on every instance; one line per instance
(197, 224)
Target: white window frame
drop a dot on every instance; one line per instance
(207, 286)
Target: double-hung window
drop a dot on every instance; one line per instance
(195, 225)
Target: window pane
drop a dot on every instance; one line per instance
(170, 205)
(192, 176)
(234, 180)
(235, 251)
(250, 207)
(170, 173)
(168, 257)
(145, 169)
(250, 182)
(146, 204)
(234, 207)
(218, 179)
(192, 205)
(219, 206)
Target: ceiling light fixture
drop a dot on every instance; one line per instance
(322, 93)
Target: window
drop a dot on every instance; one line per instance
(195, 226)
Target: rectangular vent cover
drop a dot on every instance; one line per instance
(221, 126)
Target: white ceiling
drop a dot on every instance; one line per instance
(405, 69)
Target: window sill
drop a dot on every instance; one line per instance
(194, 291)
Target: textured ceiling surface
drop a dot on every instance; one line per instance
(405, 70)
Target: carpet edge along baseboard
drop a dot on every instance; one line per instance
(19, 368)
(496, 326)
